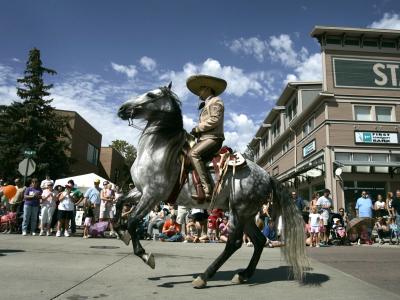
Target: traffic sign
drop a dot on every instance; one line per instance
(27, 167)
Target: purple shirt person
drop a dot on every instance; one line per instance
(31, 206)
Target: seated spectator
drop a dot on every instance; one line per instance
(171, 231)
(344, 215)
(270, 233)
(365, 236)
(383, 230)
(224, 229)
(156, 220)
(353, 235)
(394, 231)
(191, 231)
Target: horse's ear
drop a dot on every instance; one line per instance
(170, 85)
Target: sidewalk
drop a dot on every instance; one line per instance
(74, 268)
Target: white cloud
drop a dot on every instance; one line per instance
(8, 82)
(251, 46)
(307, 70)
(239, 82)
(240, 129)
(16, 59)
(89, 95)
(388, 21)
(148, 63)
(129, 71)
(281, 49)
(188, 123)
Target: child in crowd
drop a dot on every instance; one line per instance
(212, 229)
(224, 229)
(364, 236)
(394, 231)
(315, 222)
(191, 230)
(271, 235)
(89, 216)
(383, 229)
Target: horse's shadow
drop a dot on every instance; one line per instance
(261, 276)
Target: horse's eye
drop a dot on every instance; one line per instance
(151, 95)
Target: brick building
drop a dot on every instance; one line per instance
(341, 133)
(112, 164)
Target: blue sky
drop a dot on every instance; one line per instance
(108, 51)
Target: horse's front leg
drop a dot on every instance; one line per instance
(141, 210)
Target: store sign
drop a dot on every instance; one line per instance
(309, 148)
(371, 137)
(365, 73)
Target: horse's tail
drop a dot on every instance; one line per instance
(294, 249)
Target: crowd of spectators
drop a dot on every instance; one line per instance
(46, 209)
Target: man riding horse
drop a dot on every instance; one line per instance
(210, 130)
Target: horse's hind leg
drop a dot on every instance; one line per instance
(258, 240)
(234, 243)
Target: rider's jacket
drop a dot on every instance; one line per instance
(211, 124)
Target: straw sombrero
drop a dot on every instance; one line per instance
(196, 82)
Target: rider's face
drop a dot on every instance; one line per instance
(204, 93)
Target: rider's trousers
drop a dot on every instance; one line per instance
(204, 149)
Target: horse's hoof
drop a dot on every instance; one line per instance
(126, 238)
(149, 260)
(199, 283)
(237, 279)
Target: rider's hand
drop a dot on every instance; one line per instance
(195, 132)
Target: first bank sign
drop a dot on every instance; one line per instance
(365, 73)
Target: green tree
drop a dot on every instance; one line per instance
(129, 152)
(33, 124)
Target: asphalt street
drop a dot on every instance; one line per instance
(77, 269)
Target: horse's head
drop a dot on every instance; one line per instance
(154, 105)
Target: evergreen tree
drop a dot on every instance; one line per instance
(33, 124)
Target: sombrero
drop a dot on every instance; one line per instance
(196, 82)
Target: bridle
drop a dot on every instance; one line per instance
(165, 91)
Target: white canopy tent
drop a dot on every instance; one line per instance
(82, 182)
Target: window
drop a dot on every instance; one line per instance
(291, 110)
(285, 146)
(92, 154)
(352, 42)
(264, 141)
(395, 158)
(370, 43)
(388, 44)
(360, 157)
(276, 128)
(379, 157)
(342, 156)
(335, 40)
(383, 113)
(308, 126)
(362, 113)
(373, 113)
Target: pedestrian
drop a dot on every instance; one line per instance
(396, 207)
(48, 205)
(107, 197)
(389, 199)
(298, 201)
(324, 205)
(364, 206)
(380, 207)
(46, 182)
(93, 195)
(315, 220)
(32, 197)
(65, 210)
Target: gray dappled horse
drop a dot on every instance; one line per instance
(156, 170)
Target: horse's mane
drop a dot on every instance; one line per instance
(168, 126)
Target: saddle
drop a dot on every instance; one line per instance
(218, 164)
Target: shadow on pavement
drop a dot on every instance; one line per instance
(261, 276)
(4, 252)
